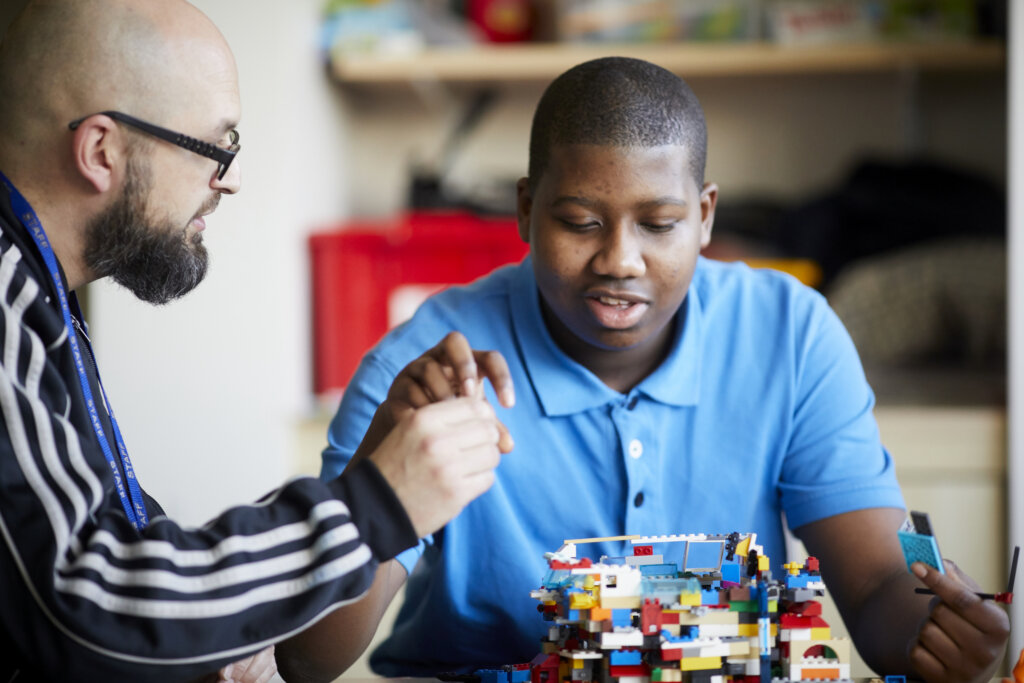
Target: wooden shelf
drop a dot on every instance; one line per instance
(543, 61)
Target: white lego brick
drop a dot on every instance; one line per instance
(795, 634)
(640, 560)
(718, 630)
(629, 639)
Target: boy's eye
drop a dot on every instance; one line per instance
(660, 226)
(578, 223)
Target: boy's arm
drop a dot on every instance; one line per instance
(958, 639)
(324, 651)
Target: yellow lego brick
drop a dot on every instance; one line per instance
(750, 630)
(763, 563)
(581, 601)
(821, 633)
(698, 663)
(577, 663)
(690, 599)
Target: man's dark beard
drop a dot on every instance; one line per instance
(152, 260)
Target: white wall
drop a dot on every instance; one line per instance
(206, 389)
(1016, 312)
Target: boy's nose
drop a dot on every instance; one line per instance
(621, 254)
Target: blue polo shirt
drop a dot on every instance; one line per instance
(761, 409)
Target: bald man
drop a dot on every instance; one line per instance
(117, 140)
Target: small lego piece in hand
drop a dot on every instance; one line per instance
(918, 542)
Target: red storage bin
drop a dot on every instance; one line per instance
(361, 269)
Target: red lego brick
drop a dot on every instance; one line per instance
(643, 550)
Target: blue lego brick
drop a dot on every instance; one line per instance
(686, 634)
(556, 578)
(895, 679)
(519, 676)
(622, 617)
(920, 548)
(492, 675)
(710, 597)
(669, 569)
(800, 580)
(731, 572)
(573, 615)
(624, 657)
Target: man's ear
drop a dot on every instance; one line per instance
(708, 202)
(97, 148)
(524, 204)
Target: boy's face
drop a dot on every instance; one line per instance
(614, 233)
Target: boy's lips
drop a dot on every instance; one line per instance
(616, 310)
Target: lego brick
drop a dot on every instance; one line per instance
(643, 549)
(715, 616)
(719, 630)
(643, 560)
(752, 630)
(620, 602)
(629, 639)
(840, 647)
(622, 617)
(811, 608)
(624, 657)
(796, 634)
(627, 670)
(600, 613)
(697, 663)
(582, 600)
(634, 679)
(821, 633)
(667, 675)
(731, 572)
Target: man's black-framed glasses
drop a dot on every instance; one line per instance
(223, 156)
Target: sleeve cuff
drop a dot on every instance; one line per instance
(375, 509)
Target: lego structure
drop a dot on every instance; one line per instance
(717, 615)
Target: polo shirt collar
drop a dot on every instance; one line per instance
(564, 387)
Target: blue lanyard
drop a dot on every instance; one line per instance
(135, 506)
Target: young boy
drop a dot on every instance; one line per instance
(655, 392)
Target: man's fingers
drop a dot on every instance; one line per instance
(494, 367)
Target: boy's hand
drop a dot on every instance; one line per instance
(449, 370)
(964, 637)
(452, 369)
(439, 458)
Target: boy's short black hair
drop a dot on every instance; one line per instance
(618, 101)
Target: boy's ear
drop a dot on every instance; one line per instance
(524, 204)
(708, 202)
(96, 151)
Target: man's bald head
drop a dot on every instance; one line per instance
(62, 59)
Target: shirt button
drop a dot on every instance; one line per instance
(636, 449)
(639, 500)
